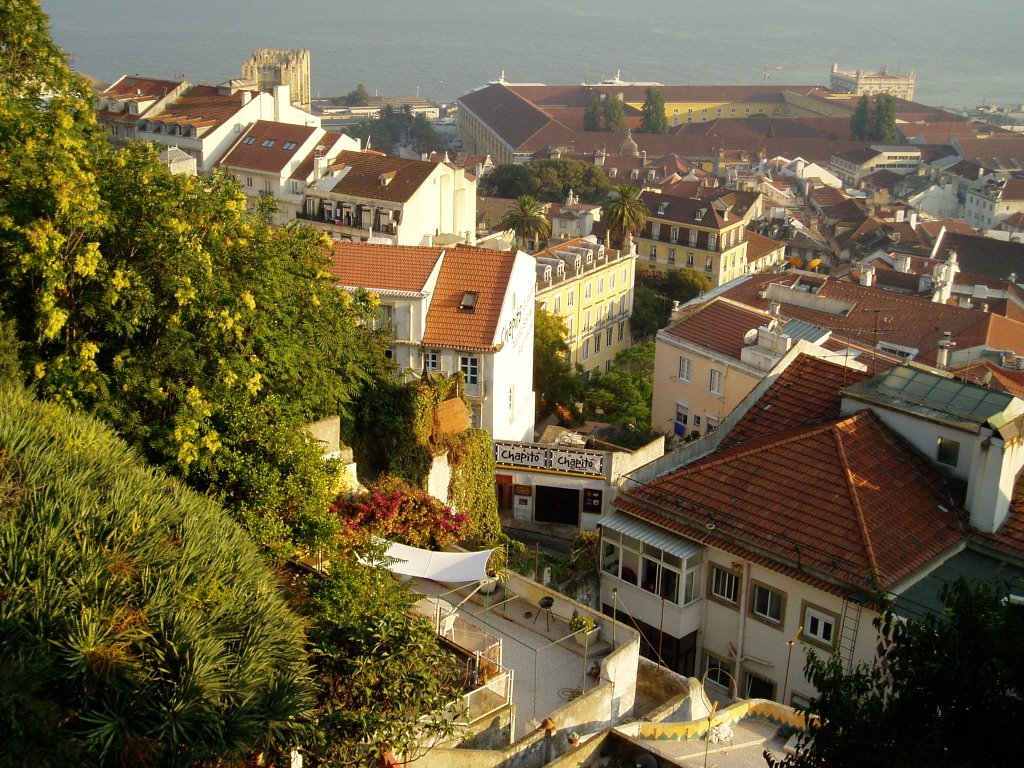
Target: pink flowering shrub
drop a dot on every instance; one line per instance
(397, 511)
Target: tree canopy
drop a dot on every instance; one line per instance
(592, 114)
(654, 119)
(528, 218)
(358, 97)
(548, 180)
(875, 119)
(940, 682)
(624, 213)
(138, 625)
(554, 378)
(614, 114)
(623, 394)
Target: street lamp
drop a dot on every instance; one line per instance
(789, 660)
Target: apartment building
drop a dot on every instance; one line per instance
(281, 161)
(405, 202)
(987, 205)
(590, 287)
(706, 235)
(456, 310)
(861, 82)
(854, 165)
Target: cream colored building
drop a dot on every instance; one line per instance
(704, 235)
(590, 288)
(861, 83)
(269, 67)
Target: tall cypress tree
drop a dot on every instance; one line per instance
(614, 115)
(860, 120)
(592, 115)
(654, 119)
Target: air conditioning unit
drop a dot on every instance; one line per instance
(1018, 362)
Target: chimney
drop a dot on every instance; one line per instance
(867, 276)
(995, 462)
(246, 97)
(774, 308)
(946, 344)
(913, 220)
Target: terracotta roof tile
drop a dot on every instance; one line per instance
(845, 501)
(141, 88)
(998, 378)
(202, 106)
(375, 176)
(465, 269)
(383, 268)
(267, 147)
(719, 325)
(759, 246)
(808, 391)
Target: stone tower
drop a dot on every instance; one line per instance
(268, 67)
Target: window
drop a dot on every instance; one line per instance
(767, 604)
(470, 367)
(724, 585)
(249, 140)
(689, 258)
(557, 304)
(674, 234)
(266, 186)
(622, 329)
(432, 360)
(607, 366)
(586, 320)
(248, 181)
(600, 286)
(758, 687)
(654, 253)
(296, 189)
(711, 423)
(682, 415)
(696, 422)
(715, 382)
(644, 565)
(709, 264)
(597, 343)
(586, 291)
(656, 227)
(717, 671)
(949, 452)
(671, 255)
(268, 143)
(570, 298)
(693, 237)
(691, 584)
(568, 327)
(611, 281)
(685, 366)
(819, 626)
(712, 241)
(622, 305)
(475, 415)
(608, 337)
(586, 349)
(289, 145)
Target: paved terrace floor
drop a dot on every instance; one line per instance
(548, 664)
(750, 738)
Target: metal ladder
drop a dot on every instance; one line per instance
(848, 632)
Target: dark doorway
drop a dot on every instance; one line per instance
(557, 505)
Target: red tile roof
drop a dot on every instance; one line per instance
(808, 391)
(875, 315)
(759, 246)
(719, 325)
(141, 88)
(251, 152)
(987, 373)
(383, 268)
(202, 106)
(845, 501)
(466, 269)
(363, 174)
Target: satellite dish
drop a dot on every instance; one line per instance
(750, 337)
(813, 263)
(796, 261)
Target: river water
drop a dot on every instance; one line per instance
(964, 54)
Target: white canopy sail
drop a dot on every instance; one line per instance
(438, 566)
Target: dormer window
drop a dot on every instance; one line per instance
(701, 212)
(468, 303)
(662, 208)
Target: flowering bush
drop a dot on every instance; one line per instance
(582, 623)
(397, 511)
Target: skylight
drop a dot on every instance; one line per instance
(269, 143)
(468, 301)
(249, 140)
(289, 145)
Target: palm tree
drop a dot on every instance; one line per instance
(528, 218)
(625, 213)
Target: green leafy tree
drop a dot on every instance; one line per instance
(684, 284)
(138, 625)
(860, 120)
(556, 176)
(554, 379)
(385, 682)
(592, 114)
(614, 114)
(528, 218)
(650, 311)
(357, 98)
(883, 120)
(940, 681)
(512, 180)
(624, 213)
(654, 119)
(623, 395)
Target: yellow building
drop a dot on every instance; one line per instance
(591, 289)
(705, 235)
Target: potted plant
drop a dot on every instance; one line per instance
(584, 628)
(497, 570)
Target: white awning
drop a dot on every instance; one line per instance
(651, 534)
(438, 566)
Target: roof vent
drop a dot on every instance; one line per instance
(468, 303)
